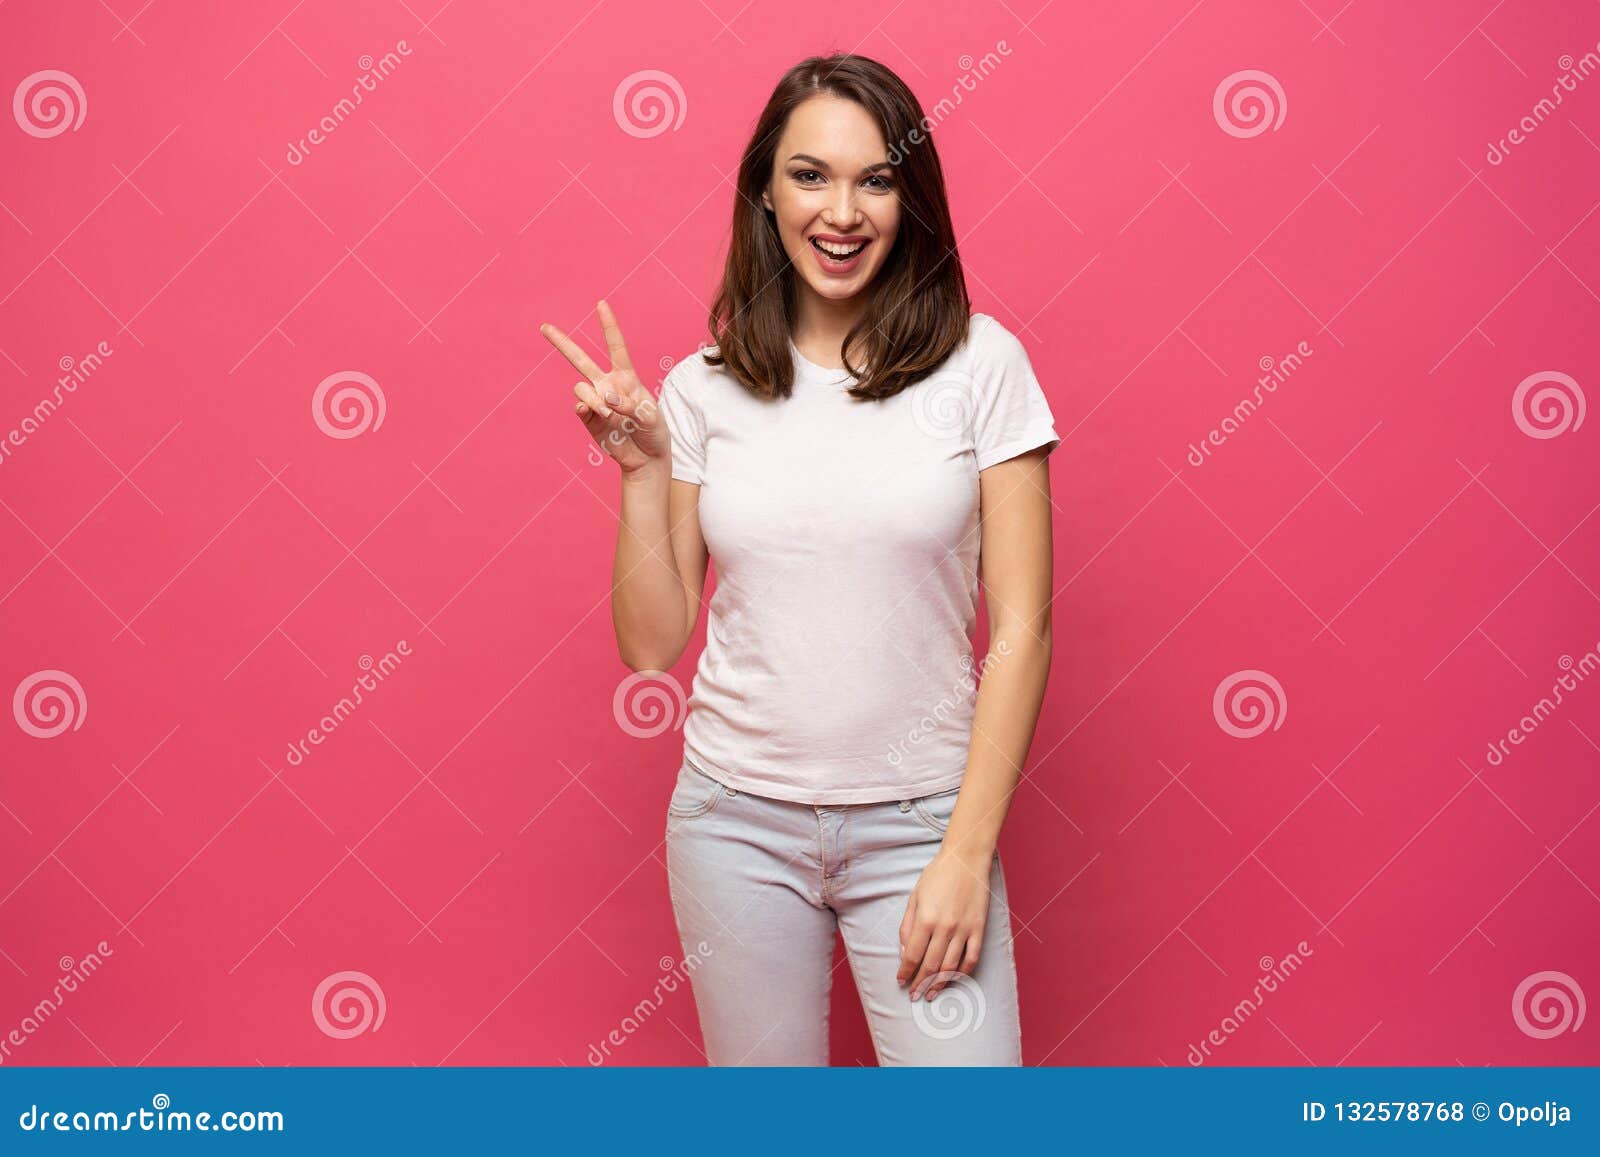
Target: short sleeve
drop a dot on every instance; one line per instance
(685, 423)
(1011, 414)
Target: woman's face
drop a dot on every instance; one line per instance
(833, 188)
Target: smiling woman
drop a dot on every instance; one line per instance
(855, 449)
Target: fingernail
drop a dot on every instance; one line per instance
(613, 399)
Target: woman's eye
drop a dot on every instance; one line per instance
(883, 184)
(805, 175)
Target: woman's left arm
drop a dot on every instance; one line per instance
(942, 931)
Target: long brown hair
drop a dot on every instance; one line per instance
(918, 309)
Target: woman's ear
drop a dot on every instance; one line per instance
(766, 200)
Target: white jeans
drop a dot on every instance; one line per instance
(759, 886)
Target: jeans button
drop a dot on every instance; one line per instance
(905, 805)
(733, 791)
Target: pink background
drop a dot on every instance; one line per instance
(483, 838)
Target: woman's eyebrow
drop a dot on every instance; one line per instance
(821, 164)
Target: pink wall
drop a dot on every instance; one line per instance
(1410, 557)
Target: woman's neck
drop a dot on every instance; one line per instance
(821, 324)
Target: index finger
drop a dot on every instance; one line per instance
(573, 352)
(614, 342)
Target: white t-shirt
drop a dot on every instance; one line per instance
(838, 665)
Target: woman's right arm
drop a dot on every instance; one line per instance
(659, 567)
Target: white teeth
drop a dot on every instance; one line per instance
(839, 251)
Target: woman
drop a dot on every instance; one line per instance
(851, 452)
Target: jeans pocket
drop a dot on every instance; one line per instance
(695, 793)
(935, 810)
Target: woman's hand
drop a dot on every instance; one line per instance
(942, 931)
(614, 406)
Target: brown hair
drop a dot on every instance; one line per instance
(918, 308)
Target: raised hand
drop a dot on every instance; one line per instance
(614, 405)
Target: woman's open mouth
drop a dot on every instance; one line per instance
(838, 254)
